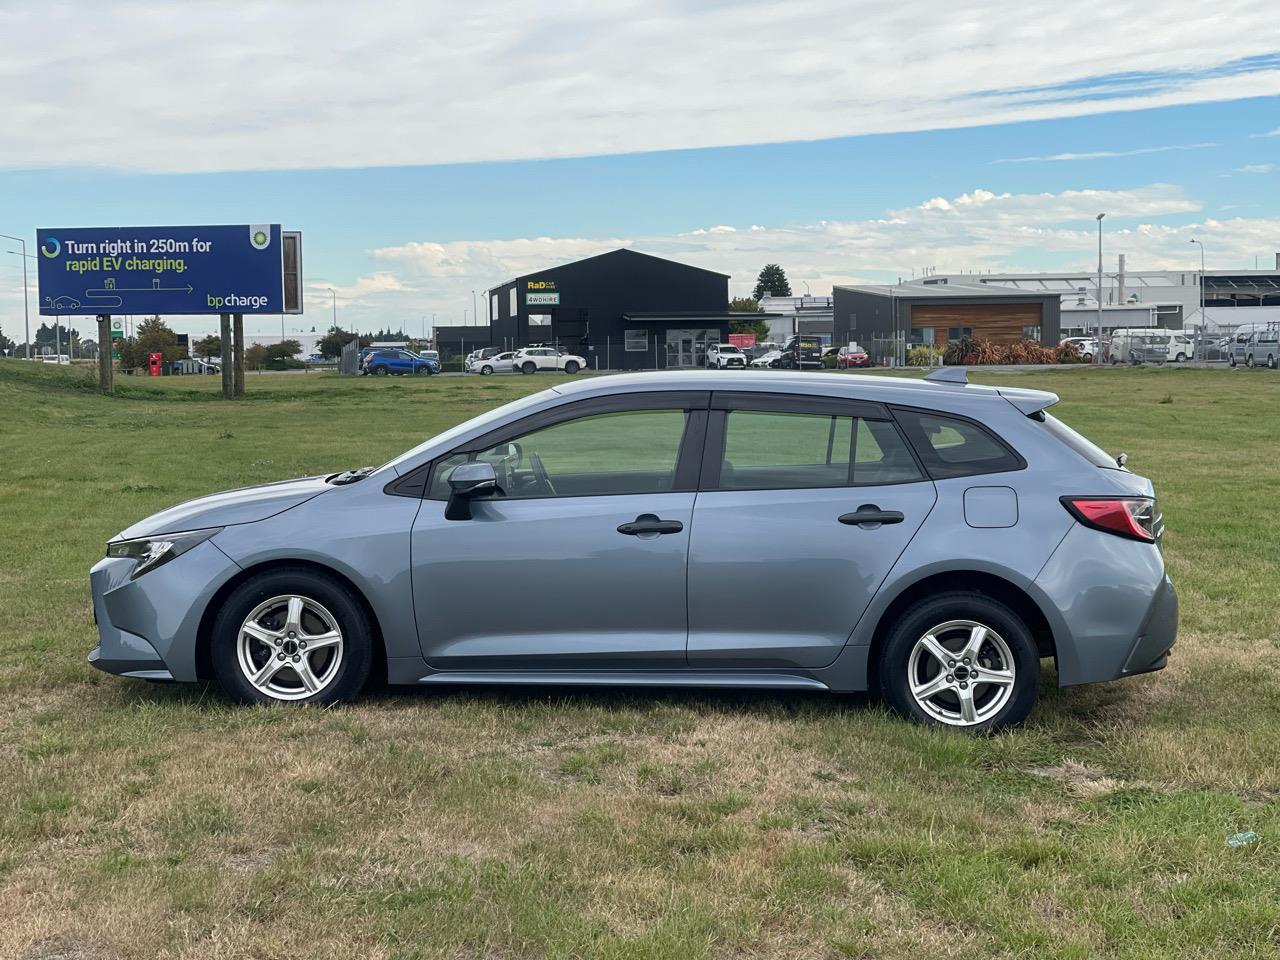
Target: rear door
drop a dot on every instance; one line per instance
(804, 506)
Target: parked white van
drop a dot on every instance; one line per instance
(1181, 346)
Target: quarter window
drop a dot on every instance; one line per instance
(951, 447)
(634, 451)
(770, 450)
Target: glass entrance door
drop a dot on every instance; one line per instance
(688, 348)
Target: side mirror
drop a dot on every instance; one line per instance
(466, 482)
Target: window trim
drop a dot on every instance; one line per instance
(723, 403)
(925, 454)
(692, 402)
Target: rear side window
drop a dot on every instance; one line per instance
(953, 447)
(775, 450)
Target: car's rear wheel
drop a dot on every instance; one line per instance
(291, 635)
(571, 367)
(960, 660)
(380, 371)
(528, 367)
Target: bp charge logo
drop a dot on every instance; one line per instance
(51, 247)
(260, 236)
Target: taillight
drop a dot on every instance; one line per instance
(1132, 517)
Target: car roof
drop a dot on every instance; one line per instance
(910, 391)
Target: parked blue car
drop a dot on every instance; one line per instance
(381, 363)
(927, 539)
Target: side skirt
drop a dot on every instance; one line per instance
(628, 678)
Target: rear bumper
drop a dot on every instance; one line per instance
(1112, 607)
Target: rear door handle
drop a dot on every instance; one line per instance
(649, 523)
(870, 513)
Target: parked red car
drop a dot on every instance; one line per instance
(852, 355)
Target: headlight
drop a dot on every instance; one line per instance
(151, 552)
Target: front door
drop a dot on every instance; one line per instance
(581, 563)
(805, 507)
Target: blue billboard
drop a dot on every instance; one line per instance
(173, 270)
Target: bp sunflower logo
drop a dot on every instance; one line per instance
(260, 236)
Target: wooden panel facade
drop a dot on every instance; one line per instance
(997, 322)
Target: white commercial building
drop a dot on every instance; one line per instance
(805, 314)
(1132, 298)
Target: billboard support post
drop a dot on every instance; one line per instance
(238, 362)
(228, 384)
(104, 353)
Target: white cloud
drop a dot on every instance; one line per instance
(1256, 168)
(1269, 133)
(1106, 154)
(276, 84)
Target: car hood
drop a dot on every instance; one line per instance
(243, 505)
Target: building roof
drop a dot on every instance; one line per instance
(621, 251)
(949, 291)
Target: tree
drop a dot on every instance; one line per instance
(744, 305)
(210, 346)
(155, 336)
(772, 281)
(255, 356)
(331, 344)
(7, 346)
(756, 327)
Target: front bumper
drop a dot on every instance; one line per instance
(148, 627)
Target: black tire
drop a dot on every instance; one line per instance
(528, 367)
(357, 635)
(1248, 361)
(1180, 358)
(424, 371)
(892, 667)
(380, 371)
(1231, 361)
(1271, 362)
(486, 370)
(571, 367)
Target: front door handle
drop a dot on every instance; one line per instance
(648, 523)
(870, 513)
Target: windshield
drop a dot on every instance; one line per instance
(1079, 443)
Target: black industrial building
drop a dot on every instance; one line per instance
(877, 315)
(622, 310)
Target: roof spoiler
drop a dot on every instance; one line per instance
(949, 375)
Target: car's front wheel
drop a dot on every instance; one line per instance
(291, 635)
(571, 367)
(960, 660)
(486, 370)
(528, 367)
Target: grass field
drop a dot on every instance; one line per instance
(144, 821)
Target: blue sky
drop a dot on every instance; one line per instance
(506, 180)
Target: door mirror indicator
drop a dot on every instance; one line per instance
(466, 482)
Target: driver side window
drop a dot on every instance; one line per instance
(634, 451)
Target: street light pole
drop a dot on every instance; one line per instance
(1097, 353)
(335, 304)
(26, 299)
(1202, 317)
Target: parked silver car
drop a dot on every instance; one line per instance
(933, 540)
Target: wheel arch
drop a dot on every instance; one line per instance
(204, 633)
(949, 581)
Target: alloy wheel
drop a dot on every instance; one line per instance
(289, 647)
(961, 673)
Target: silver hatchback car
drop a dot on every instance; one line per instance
(928, 539)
